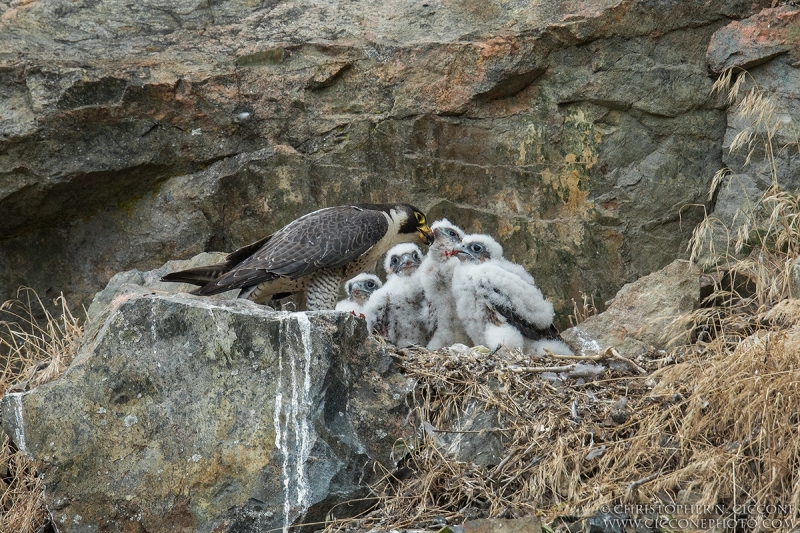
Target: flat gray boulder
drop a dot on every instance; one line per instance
(187, 414)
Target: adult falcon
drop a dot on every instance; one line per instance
(312, 256)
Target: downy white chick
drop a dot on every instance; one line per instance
(358, 291)
(402, 260)
(498, 302)
(436, 276)
(393, 311)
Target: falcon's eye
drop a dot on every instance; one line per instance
(420, 217)
(475, 247)
(370, 284)
(394, 260)
(416, 256)
(451, 232)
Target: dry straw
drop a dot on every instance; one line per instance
(35, 347)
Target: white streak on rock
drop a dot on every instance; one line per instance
(304, 438)
(295, 419)
(19, 424)
(280, 437)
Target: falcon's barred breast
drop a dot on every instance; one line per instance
(313, 255)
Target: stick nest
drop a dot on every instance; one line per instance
(712, 422)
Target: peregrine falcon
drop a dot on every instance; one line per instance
(312, 256)
(358, 291)
(436, 276)
(403, 259)
(394, 310)
(498, 302)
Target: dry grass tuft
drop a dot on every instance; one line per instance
(579, 314)
(32, 352)
(21, 492)
(755, 270)
(726, 425)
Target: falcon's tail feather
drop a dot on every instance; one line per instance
(199, 275)
(205, 274)
(236, 257)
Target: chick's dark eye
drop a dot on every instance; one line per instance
(477, 248)
(416, 255)
(370, 284)
(395, 259)
(452, 233)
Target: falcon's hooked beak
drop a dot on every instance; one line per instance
(425, 234)
(406, 263)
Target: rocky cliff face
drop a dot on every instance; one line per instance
(583, 136)
(767, 47)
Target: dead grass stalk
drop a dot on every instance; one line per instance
(33, 351)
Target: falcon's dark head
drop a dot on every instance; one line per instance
(412, 222)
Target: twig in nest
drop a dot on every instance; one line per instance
(609, 353)
(616, 355)
(487, 430)
(639, 482)
(520, 369)
(598, 357)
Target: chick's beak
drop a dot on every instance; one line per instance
(461, 252)
(425, 234)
